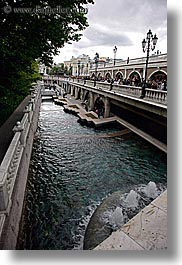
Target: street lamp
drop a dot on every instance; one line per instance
(115, 51)
(96, 59)
(78, 68)
(147, 44)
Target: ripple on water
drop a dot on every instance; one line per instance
(72, 170)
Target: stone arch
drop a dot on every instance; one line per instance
(108, 75)
(119, 75)
(158, 75)
(135, 73)
(99, 106)
(92, 75)
(100, 77)
(135, 78)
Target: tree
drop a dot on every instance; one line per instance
(35, 29)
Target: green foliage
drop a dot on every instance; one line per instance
(19, 90)
(33, 33)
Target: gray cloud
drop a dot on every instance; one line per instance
(95, 36)
(128, 15)
(110, 22)
(123, 23)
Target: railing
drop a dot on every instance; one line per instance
(135, 61)
(11, 161)
(158, 96)
(55, 78)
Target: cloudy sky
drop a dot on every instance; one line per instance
(123, 23)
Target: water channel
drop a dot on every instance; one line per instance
(73, 168)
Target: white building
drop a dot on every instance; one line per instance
(78, 66)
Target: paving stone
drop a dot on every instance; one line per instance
(148, 228)
(145, 231)
(161, 201)
(119, 241)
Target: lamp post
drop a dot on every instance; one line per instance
(96, 59)
(147, 44)
(115, 51)
(78, 68)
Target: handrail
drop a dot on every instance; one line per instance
(158, 96)
(12, 158)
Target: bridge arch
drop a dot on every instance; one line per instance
(158, 75)
(92, 75)
(108, 75)
(99, 106)
(100, 76)
(119, 75)
(135, 77)
(135, 73)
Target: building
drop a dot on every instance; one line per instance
(78, 66)
(132, 68)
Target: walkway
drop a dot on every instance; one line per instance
(145, 231)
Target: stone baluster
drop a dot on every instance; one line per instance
(4, 194)
(19, 128)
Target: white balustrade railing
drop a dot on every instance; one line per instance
(159, 96)
(134, 61)
(156, 95)
(11, 161)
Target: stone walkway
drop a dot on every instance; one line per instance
(145, 231)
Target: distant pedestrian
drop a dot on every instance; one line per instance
(111, 84)
(164, 85)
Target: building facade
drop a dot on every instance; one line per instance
(79, 66)
(134, 68)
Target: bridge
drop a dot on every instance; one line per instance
(148, 114)
(118, 101)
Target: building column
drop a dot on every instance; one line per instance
(107, 107)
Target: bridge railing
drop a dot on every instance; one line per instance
(52, 78)
(11, 161)
(159, 96)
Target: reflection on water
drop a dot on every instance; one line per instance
(72, 171)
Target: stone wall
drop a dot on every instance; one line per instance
(8, 239)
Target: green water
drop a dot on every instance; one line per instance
(73, 168)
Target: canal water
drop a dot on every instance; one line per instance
(73, 169)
